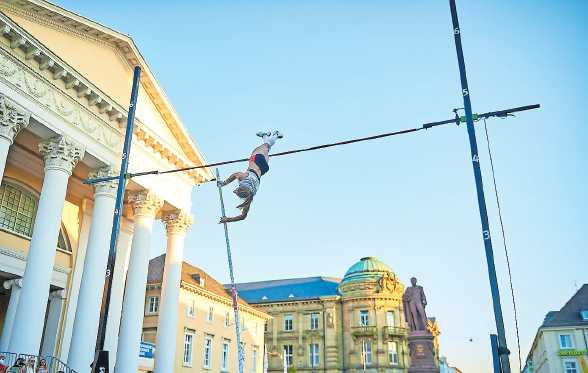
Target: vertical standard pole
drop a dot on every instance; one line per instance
(240, 356)
(502, 347)
(495, 356)
(101, 364)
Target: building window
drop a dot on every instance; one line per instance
(18, 207)
(191, 309)
(210, 314)
(152, 305)
(366, 352)
(207, 352)
(390, 320)
(314, 321)
(288, 322)
(288, 355)
(313, 355)
(570, 366)
(225, 357)
(188, 339)
(565, 341)
(364, 319)
(227, 319)
(265, 327)
(254, 359)
(393, 353)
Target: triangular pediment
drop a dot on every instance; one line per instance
(106, 58)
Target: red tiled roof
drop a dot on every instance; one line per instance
(189, 272)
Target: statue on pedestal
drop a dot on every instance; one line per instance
(414, 302)
(420, 339)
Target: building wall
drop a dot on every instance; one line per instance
(339, 335)
(327, 336)
(549, 357)
(199, 326)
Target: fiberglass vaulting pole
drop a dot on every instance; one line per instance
(234, 298)
(101, 359)
(502, 347)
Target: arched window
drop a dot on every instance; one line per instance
(18, 208)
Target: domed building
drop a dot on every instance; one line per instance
(334, 325)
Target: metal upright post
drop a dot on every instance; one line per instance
(495, 356)
(233, 286)
(101, 359)
(502, 347)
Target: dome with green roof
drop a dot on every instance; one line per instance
(370, 277)
(368, 268)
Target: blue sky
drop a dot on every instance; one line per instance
(327, 70)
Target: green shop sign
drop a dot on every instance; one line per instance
(572, 352)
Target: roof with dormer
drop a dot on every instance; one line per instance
(570, 313)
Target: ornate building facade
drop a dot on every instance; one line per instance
(335, 325)
(64, 90)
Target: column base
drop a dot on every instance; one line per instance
(422, 353)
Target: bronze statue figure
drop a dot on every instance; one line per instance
(414, 302)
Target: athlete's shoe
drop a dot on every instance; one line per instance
(262, 134)
(278, 134)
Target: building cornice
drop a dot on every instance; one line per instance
(297, 302)
(33, 50)
(81, 26)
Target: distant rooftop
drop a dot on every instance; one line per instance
(570, 313)
(286, 290)
(191, 275)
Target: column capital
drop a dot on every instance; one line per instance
(13, 118)
(61, 153)
(177, 221)
(145, 202)
(9, 284)
(106, 187)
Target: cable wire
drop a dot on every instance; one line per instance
(426, 126)
(514, 304)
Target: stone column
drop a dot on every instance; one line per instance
(14, 286)
(85, 328)
(12, 120)
(176, 224)
(60, 154)
(56, 299)
(145, 206)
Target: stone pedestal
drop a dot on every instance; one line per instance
(422, 352)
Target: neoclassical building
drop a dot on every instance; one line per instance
(335, 325)
(64, 91)
(205, 328)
